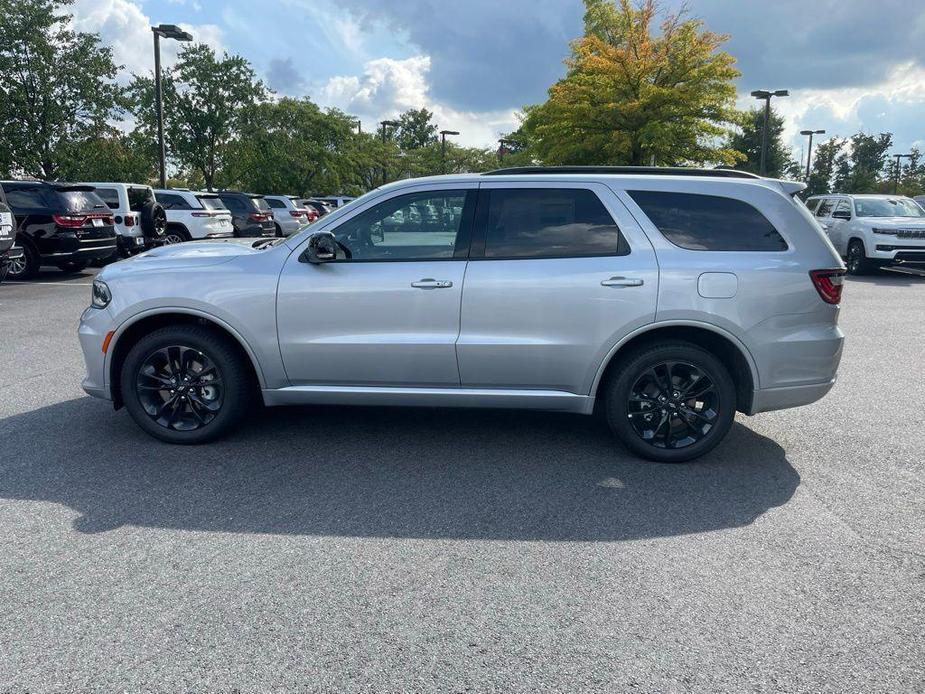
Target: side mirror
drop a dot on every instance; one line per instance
(841, 214)
(322, 248)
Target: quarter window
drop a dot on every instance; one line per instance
(418, 226)
(24, 198)
(110, 196)
(549, 223)
(708, 222)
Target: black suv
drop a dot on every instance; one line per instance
(60, 224)
(250, 213)
(9, 254)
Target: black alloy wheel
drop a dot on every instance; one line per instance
(857, 262)
(180, 388)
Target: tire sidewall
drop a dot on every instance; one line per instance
(217, 348)
(633, 368)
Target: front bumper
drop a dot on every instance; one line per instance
(94, 325)
(899, 252)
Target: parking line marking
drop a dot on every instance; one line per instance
(53, 284)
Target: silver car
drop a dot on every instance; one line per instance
(666, 299)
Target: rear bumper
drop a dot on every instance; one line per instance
(65, 248)
(770, 399)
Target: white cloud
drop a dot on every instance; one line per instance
(388, 87)
(124, 27)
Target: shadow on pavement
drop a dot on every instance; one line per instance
(896, 277)
(386, 473)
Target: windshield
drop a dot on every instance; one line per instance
(80, 201)
(211, 203)
(888, 207)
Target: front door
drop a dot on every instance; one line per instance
(558, 274)
(386, 312)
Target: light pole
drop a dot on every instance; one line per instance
(359, 126)
(898, 157)
(503, 142)
(443, 134)
(168, 31)
(386, 124)
(809, 151)
(765, 95)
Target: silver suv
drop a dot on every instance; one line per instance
(666, 299)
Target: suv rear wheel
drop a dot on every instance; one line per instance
(671, 403)
(186, 384)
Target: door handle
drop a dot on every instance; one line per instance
(622, 282)
(430, 283)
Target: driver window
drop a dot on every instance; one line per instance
(418, 226)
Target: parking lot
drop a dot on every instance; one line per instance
(355, 549)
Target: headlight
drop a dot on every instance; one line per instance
(885, 232)
(101, 294)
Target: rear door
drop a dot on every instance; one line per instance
(558, 274)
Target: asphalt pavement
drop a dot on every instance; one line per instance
(375, 550)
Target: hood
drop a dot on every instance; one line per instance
(896, 222)
(188, 254)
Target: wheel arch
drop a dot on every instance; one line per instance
(181, 227)
(142, 324)
(723, 344)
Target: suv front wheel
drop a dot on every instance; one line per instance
(671, 403)
(858, 263)
(186, 384)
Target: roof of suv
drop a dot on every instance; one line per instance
(623, 171)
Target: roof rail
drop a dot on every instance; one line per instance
(623, 171)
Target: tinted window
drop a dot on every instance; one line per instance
(25, 198)
(548, 223)
(261, 204)
(709, 222)
(173, 202)
(418, 226)
(234, 203)
(110, 196)
(275, 204)
(211, 202)
(138, 197)
(825, 209)
(78, 201)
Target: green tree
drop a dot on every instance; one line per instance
(823, 167)
(205, 101)
(56, 86)
(416, 129)
(111, 156)
(859, 169)
(636, 96)
(747, 140)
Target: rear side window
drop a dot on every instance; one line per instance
(29, 198)
(234, 203)
(811, 205)
(138, 197)
(549, 223)
(275, 204)
(708, 222)
(110, 196)
(173, 202)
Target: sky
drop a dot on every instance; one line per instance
(849, 64)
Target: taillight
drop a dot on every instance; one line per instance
(129, 220)
(296, 213)
(202, 214)
(828, 283)
(70, 221)
(259, 217)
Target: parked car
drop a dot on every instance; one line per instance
(668, 299)
(336, 201)
(7, 238)
(140, 220)
(62, 224)
(288, 216)
(872, 231)
(193, 215)
(250, 214)
(321, 208)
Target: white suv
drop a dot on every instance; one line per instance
(288, 216)
(192, 215)
(871, 231)
(140, 222)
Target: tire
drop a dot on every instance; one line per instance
(175, 235)
(28, 267)
(73, 266)
(279, 230)
(857, 262)
(153, 220)
(643, 375)
(231, 394)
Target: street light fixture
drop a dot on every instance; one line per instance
(809, 151)
(766, 96)
(898, 157)
(386, 124)
(168, 31)
(443, 134)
